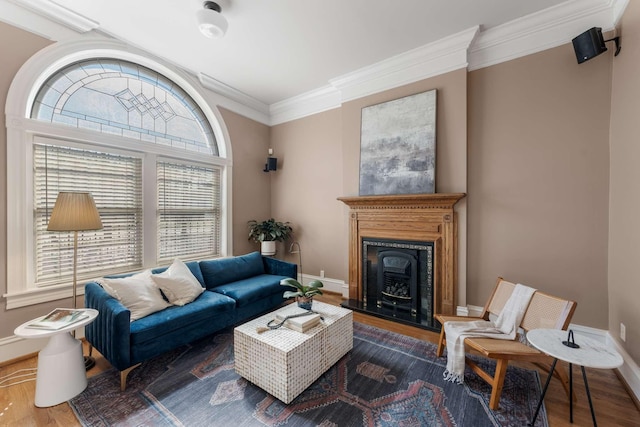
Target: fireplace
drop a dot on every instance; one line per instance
(398, 279)
(403, 256)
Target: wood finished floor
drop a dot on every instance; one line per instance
(613, 405)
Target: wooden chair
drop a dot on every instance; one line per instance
(544, 311)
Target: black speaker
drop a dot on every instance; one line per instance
(589, 44)
(271, 165)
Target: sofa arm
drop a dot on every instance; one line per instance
(280, 268)
(110, 332)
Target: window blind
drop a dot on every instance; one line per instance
(115, 182)
(188, 211)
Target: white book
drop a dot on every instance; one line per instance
(302, 323)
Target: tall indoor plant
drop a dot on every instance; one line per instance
(269, 232)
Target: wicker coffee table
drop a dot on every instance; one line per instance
(284, 362)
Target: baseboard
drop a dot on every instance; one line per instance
(629, 371)
(330, 285)
(470, 310)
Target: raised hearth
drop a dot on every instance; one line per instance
(409, 243)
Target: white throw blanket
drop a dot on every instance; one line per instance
(505, 328)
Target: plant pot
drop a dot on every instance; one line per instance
(268, 248)
(305, 302)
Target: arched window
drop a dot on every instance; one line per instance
(122, 98)
(146, 151)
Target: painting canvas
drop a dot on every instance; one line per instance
(398, 146)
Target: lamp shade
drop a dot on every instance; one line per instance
(74, 211)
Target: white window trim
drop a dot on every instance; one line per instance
(21, 131)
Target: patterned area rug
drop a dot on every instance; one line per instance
(386, 380)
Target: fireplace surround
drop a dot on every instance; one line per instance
(404, 225)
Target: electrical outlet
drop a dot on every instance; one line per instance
(322, 274)
(623, 332)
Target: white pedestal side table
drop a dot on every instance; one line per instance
(61, 372)
(590, 354)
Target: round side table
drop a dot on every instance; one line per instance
(589, 353)
(61, 373)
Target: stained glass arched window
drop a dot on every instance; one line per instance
(117, 97)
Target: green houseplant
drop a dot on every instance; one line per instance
(268, 232)
(303, 293)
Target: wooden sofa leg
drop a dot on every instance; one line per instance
(123, 376)
(442, 341)
(498, 383)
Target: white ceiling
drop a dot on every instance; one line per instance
(278, 49)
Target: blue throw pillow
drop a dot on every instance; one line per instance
(221, 271)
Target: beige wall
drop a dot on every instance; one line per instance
(251, 187)
(321, 161)
(538, 167)
(16, 47)
(451, 147)
(624, 231)
(305, 189)
(539, 178)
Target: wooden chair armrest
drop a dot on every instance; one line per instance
(447, 318)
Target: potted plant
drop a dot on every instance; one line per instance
(268, 233)
(303, 293)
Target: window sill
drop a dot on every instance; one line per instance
(39, 296)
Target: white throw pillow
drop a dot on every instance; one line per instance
(138, 293)
(177, 282)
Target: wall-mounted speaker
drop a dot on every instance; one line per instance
(589, 44)
(271, 165)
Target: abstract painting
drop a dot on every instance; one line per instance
(398, 146)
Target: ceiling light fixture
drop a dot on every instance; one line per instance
(210, 20)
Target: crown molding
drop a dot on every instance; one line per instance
(26, 19)
(618, 7)
(306, 104)
(445, 55)
(59, 14)
(543, 30)
(471, 48)
(235, 100)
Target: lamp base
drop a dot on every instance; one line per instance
(89, 362)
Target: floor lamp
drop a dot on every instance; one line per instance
(75, 212)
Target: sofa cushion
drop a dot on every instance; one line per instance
(221, 271)
(194, 267)
(138, 293)
(207, 306)
(178, 284)
(247, 291)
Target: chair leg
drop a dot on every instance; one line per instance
(442, 341)
(498, 383)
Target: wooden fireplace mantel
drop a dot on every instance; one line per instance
(408, 217)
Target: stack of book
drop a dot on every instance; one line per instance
(59, 318)
(303, 321)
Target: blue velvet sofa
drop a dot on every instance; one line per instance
(236, 289)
